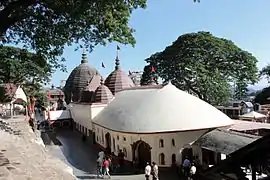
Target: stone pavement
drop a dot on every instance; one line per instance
(22, 156)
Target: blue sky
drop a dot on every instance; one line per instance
(244, 22)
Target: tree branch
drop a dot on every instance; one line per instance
(193, 89)
(7, 20)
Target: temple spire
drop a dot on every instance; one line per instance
(117, 61)
(101, 81)
(84, 57)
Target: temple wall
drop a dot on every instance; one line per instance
(59, 115)
(124, 140)
(82, 114)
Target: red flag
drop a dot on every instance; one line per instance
(102, 65)
(153, 69)
(118, 48)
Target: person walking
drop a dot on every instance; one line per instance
(192, 171)
(99, 166)
(106, 165)
(155, 171)
(186, 166)
(147, 171)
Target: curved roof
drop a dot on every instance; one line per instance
(88, 92)
(159, 110)
(103, 94)
(118, 79)
(79, 78)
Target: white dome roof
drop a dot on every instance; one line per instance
(159, 110)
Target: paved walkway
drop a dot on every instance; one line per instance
(81, 156)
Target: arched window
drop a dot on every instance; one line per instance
(162, 159)
(173, 158)
(173, 143)
(125, 152)
(117, 137)
(113, 144)
(161, 143)
(124, 138)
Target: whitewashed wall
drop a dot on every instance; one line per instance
(181, 139)
(84, 113)
(58, 115)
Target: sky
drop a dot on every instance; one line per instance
(246, 23)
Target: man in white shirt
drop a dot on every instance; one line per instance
(147, 171)
(155, 171)
(192, 171)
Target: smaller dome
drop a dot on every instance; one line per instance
(118, 79)
(103, 94)
(89, 90)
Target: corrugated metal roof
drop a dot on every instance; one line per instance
(224, 141)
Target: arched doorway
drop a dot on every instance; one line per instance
(141, 153)
(187, 153)
(173, 159)
(108, 142)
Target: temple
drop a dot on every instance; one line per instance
(148, 123)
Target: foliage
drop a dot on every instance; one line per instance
(20, 67)
(4, 96)
(46, 26)
(148, 76)
(263, 97)
(265, 72)
(206, 66)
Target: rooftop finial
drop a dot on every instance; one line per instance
(84, 57)
(101, 81)
(117, 61)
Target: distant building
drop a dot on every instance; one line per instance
(236, 109)
(136, 77)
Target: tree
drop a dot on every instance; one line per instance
(263, 97)
(149, 75)
(46, 26)
(206, 66)
(20, 67)
(265, 72)
(4, 96)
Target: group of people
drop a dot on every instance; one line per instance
(108, 162)
(151, 170)
(103, 167)
(189, 169)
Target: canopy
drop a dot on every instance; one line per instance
(253, 114)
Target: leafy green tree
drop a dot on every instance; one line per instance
(4, 96)
(265, 72)
(149, 75)
(263, 97)
(206, 66)
(20, 67)
(46, 26)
